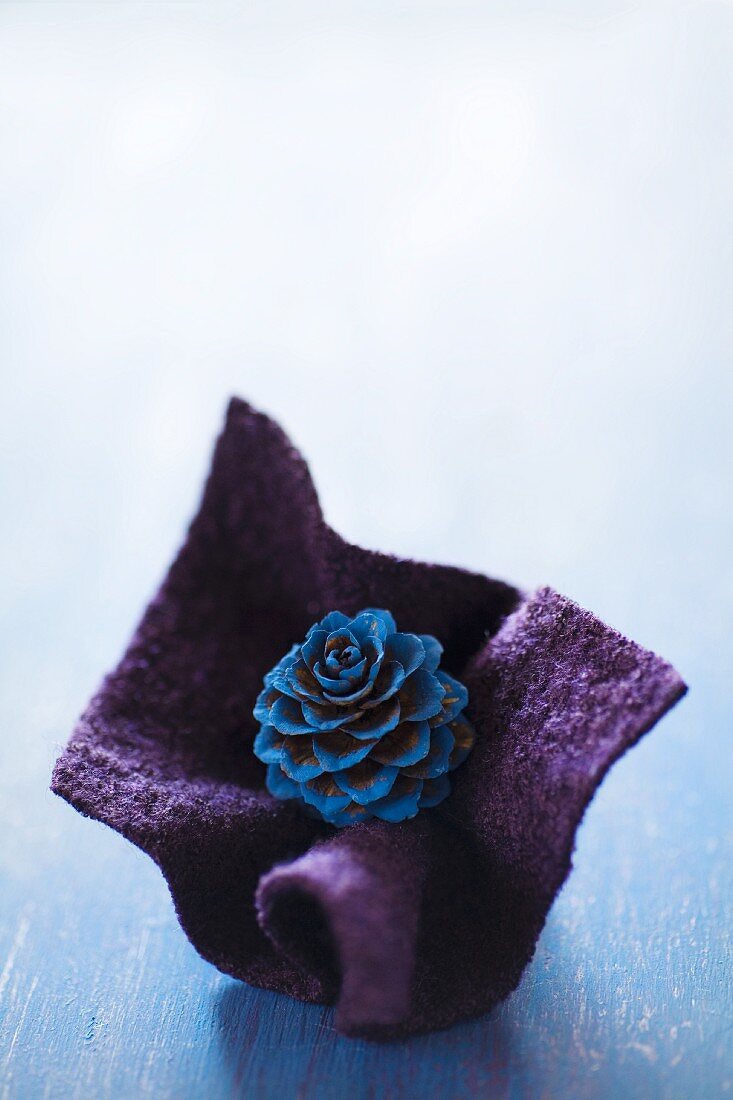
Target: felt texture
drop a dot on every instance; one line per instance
(407, 927)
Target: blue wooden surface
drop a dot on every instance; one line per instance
(485, 257)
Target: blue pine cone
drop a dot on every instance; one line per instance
(359, 721)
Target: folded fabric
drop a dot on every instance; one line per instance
(407, 927)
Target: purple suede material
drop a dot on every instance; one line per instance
(406, 927)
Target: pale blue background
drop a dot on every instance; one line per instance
(477, 259)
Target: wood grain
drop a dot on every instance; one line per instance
(628, 995)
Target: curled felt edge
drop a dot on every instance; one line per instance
(409, 927)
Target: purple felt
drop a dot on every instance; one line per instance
(406, 927)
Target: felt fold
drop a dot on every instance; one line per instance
(346, 912)
(406, 927)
